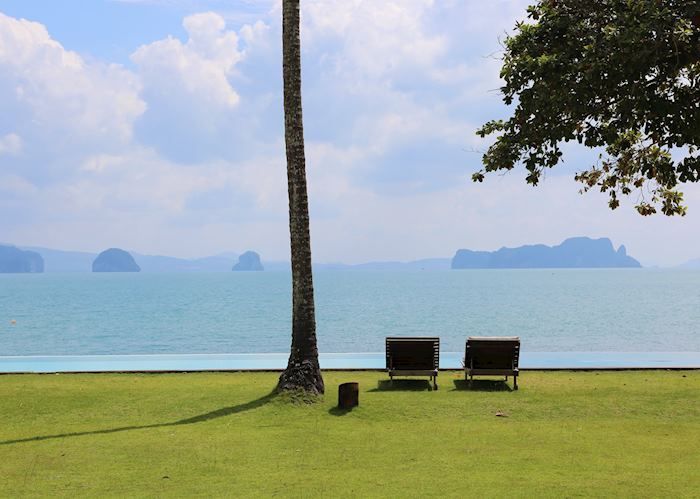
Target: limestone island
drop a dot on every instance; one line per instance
(576, 252)
(248, 261)
(16, 261)
(115, 260)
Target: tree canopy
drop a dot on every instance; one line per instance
(619, 75)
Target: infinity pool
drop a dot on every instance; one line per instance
(448, 360)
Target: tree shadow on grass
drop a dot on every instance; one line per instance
(200, 418)
(403, 385)
(482, 385)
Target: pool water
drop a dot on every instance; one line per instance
(214, 362)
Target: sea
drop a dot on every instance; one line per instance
(566, 310)
(552, 310)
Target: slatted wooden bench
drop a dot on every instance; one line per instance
(492, 356)
(413, 356)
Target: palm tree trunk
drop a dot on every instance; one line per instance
(303, 370)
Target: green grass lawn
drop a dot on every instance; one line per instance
(563, 434)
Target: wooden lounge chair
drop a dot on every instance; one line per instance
(492, 356)
(413, 356)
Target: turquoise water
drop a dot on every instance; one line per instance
(626, 310)
(277, 361)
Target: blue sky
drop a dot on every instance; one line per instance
(156, 126)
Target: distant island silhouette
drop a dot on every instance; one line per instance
(248, 261)
(115, 260)
(575, 252)
(57, 260)
(16, 261)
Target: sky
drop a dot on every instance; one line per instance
(157, 126)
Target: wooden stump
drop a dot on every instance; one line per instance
(348, 395)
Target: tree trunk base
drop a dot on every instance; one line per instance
(304, 375)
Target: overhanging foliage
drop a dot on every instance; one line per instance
(622, 75)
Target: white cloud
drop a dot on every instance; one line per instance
(395, 73)
(185, 154)
(195, 72)
(377, 38)
(503, 211)
(194, 111)
(255, 33)
(55, 92)
(10, 144)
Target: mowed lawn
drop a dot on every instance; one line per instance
(563, 434)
